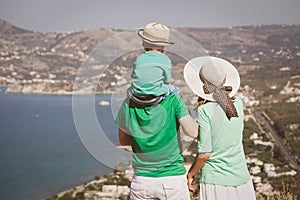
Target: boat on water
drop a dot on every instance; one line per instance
(103, 103)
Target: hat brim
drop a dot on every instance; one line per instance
(193, 67)
(151, 41)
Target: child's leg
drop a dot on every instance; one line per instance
(149, 100)
(129, 92)
(172, 89)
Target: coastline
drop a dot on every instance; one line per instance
(62, 93)
(77, 188)
(50, 156)
(87, 91)
(109, 186)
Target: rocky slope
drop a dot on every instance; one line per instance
(33, 62)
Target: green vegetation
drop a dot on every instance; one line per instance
(286, 118)
(67, 196)
(54, 197)
(249, 128)
(275, 157)
(116, 179)
(97, 178)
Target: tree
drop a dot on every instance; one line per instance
(66, 196)
(79, 196)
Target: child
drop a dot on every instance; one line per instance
(152, 69)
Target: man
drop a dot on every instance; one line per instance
(152, 131)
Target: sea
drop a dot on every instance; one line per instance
(41, 153)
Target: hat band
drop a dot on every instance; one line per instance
(154, 39)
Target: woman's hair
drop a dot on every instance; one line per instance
(202, 101)
(199, 102)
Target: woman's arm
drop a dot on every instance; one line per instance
(199, 161)
(124, 138)
(189, 126)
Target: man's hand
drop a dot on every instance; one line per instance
(191, 182)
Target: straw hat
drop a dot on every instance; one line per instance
(214, 70)
(156, 34)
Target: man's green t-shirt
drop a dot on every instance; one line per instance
(156, 151)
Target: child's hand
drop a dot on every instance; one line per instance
(191, 182)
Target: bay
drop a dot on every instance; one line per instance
(40, 151)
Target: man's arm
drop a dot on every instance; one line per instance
(189, 126)
(199, 161)
(124, 138)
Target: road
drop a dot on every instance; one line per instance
(278, 140)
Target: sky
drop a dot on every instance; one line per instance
(75, 15)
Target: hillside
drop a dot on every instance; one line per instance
(267, 57)
(29, 58)
(7, 28)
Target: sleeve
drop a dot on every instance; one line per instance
(121, 118)
(204, 136)
(181, 109)
(239, 106)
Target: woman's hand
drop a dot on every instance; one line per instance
(198, 163)
(191, 182)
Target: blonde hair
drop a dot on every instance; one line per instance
(150, 47)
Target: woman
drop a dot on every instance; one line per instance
(224, 174)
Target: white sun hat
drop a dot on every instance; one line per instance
(213, 69)
(156, 34)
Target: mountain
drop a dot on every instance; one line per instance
(7, 28)
(49, 62)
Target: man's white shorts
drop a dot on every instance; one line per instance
(162, 188)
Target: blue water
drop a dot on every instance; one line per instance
(40, 151)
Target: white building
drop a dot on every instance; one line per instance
(117, 189)
(255, 170)
(265, 189)
(260, 142)
(269, 167)
(256, 179)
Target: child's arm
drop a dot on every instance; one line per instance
(199, 161)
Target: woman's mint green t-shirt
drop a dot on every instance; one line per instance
(156, 151)
(223, 139)
(151, 70)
